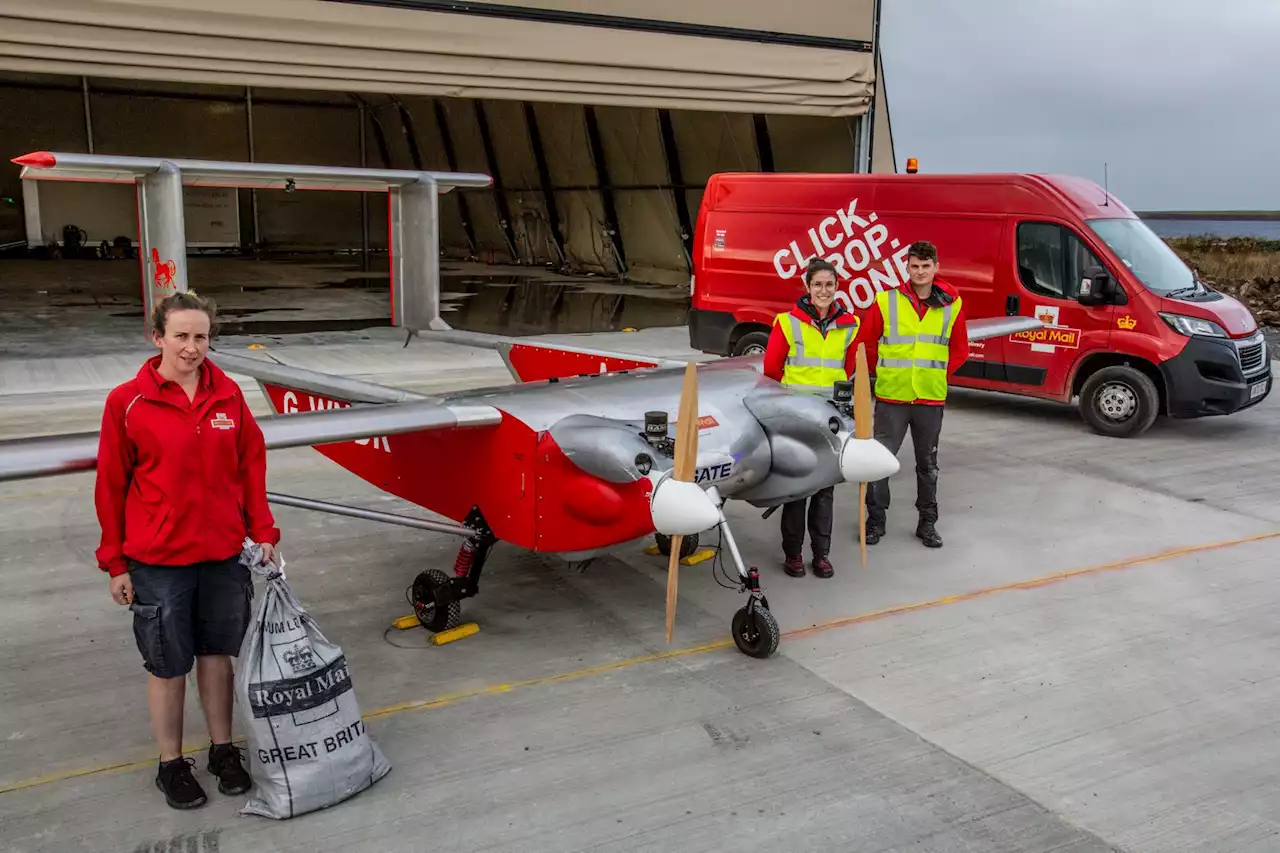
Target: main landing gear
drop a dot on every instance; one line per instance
(755, 630)
(436, 597)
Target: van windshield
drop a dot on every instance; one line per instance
(1146, 255)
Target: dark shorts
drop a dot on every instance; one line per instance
(180, 612)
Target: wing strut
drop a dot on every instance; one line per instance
(370, 514)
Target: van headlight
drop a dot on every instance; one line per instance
(1193, 326)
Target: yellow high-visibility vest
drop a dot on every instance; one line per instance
(815, 362)
(912, 354)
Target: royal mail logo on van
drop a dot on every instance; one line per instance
(222, 422)
(868, 259)
(1051, 336)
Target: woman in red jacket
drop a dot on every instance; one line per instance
(824, 328)
(181, 482)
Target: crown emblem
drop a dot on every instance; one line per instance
(300, 658)
(1126, 322)
(1047, 318)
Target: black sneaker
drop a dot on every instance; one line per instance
(874, 533)
(181, 790)
(224, 763)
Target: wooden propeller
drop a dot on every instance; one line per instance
(686, 455)
(862, 429)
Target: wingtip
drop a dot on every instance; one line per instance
(37, 160)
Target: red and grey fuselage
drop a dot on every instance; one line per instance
(549, 478)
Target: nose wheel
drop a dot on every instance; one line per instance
(755, 631)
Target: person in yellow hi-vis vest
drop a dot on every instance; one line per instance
(916, 339)
(810, 349)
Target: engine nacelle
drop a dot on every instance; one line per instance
(806, 437)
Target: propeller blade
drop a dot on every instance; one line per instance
(686, 450)
(686, 456)
(862, 521)
(862, 418)
(673, 581)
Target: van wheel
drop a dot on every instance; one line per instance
(752, 343)
(1119, 401)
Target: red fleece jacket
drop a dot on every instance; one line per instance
(179, 482)
(873, 327)
(775, 353)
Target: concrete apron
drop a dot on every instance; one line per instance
(1085, 661)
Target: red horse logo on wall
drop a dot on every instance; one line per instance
(165, 271)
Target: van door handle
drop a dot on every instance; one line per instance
(1011, 305)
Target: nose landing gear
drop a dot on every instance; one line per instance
(755, 630)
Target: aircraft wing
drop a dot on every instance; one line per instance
(529, 361)
(28, 458)
(998, 327)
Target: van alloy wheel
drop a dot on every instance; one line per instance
(752, 343)
(1117, 401)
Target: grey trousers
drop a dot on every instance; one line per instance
(890, 428)
(820, 519)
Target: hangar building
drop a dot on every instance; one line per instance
(600, 122)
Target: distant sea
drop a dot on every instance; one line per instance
(1262, 229)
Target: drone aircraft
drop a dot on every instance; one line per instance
(587, 451)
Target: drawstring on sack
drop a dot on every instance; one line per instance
(251, 558)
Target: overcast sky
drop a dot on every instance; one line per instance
(1180, 97)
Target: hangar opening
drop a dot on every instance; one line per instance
(599, 132)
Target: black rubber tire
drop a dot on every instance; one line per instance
(758, 640)
(1102, 390)
(433, 618)
(688, 545)
(757, 340)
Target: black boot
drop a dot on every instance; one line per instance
(180, 788)
(224, 763)
(927, 534)
(874, 532)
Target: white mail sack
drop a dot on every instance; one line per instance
(308, 748)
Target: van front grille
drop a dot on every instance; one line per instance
(1251, 357)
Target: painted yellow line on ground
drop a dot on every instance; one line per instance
(1030, 584)
(574, 675)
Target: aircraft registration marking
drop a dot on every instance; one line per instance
(290, 406)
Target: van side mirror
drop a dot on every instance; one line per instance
(1097, 287)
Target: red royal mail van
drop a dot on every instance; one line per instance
(1128, 328)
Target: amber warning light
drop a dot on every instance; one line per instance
(912, 165)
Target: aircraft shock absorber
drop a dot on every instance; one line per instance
(437, 598)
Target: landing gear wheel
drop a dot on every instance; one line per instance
(1119, 401)
(752, 343)
(433, 617)
(755, 633)
(688, 545)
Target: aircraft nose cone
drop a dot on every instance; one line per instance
(682, 509)
(865, 460)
